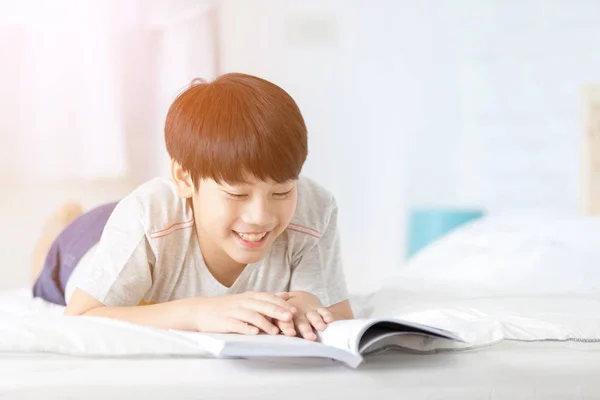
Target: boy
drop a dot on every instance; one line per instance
(236, 242)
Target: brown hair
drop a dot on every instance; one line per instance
(236, 125)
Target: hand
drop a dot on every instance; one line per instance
(245, 313)
(310, 314)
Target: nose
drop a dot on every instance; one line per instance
(258, 214)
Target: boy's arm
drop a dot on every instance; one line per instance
(243, 313)
(341, 310)
(172, 315)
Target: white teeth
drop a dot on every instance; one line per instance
(252, 237)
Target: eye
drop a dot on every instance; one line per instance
(236, 195)
(282, 195)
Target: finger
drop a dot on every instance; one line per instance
(237, 326)
(326, 315)
(268, 309)
(303, 326)
(283, 295)
(278, 301)
(271, 320)
(316, 320)
(254, 318)
(287, 327)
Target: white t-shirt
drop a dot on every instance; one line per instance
(149, 253)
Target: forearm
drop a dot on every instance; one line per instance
(337, 316)
(339, 311)
(177, 314)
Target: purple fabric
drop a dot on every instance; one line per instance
(66, 251)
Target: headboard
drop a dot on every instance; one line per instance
(591, 150)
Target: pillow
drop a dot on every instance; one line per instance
(513, 254)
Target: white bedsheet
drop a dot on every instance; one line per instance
(506, 371)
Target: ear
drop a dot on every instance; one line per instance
(183, 180)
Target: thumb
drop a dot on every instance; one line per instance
(283, 295)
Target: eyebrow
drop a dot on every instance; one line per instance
(245, 185)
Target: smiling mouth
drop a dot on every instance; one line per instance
(252, 237)
(252, 240)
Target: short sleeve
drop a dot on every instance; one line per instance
(320, 271)
(119, 273)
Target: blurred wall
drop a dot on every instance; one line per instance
(408, 103)
(413, 103)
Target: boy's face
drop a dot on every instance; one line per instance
(239, 223)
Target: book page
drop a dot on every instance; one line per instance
(344, 334)
(355, 335)
(375, 335)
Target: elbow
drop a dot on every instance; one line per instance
(81, 303)
(73, 312)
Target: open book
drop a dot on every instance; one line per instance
(345, 341)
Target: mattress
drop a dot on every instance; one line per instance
(506, 371)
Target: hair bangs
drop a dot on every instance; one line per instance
(236, 129)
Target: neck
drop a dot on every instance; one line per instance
(219, 264)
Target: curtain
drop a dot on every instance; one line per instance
(85, 85)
